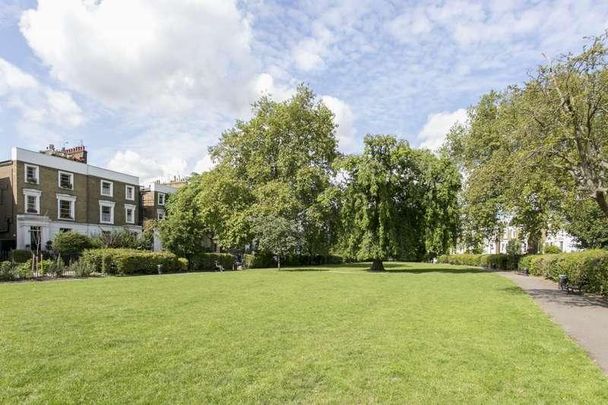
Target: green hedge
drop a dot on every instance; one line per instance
(20, 255)
(496, 261)
(589, 264)
(131, 261)
(265, 260)
(206, 261)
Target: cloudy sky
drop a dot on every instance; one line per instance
(148, 85)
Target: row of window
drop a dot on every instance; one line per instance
(65, 180)
(66, 207)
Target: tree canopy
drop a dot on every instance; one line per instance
(397, 202)
(527, 150)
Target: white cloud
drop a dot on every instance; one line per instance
(265, 84)
(309, 52)
(344, 117)
(37, 104)
(165, 151)
(438, 125)
(162, 55)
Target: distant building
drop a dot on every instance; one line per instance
(43, 193)
(561, 239)
(154, 199)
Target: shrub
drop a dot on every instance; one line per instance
(8, 271)
(20, 255)
(120, 239)
(496, 261)
(55, 267)
(81, 268)
(591, 265)
(131, 261)
(552, 249)
(206, 261)
(258, 261)
(514, 247)
(70, 245)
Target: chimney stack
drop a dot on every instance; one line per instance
(77, 153)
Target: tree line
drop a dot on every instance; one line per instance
(536, 155)
(280, 185)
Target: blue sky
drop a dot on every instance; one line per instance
(148, 85)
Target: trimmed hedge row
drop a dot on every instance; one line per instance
(206, 261)
(495, 261)
(264, 260)
(591, 265)
(131, 261)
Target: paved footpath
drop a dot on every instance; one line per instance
(583, 317)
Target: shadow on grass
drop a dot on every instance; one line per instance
(556, 296)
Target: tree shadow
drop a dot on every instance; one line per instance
(556, 296)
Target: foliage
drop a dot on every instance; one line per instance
(259, 260)
(71, 244)
(120, 239)
(586, 222)
(20, 255)
(183, 231)
(492, 261)
(8, 271)
(207, 261)
(131, 261)
(397, 202)
(81, 268)
(551, 249)
(278, 164)
(514, 247)
(265, 260)
(589, 265)
(527, 150)
(276, 235)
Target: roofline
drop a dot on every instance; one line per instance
(28, 156)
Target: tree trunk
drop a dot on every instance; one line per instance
(533, 243)
(377, 265)
(600, 197)
(279, 262)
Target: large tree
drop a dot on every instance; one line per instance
(397, 203)
(183, 231)
(278, 164)
(529, 148)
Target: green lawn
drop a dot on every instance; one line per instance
(418, 333)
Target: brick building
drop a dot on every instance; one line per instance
(43, 193)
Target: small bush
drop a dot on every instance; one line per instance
(552, 249)
(131, 261)
(81, 268)
(8, 271)
(514, 247)
(206, 261)
(258, 261)
(70, 245)
(20, 255)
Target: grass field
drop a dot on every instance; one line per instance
(418, 333)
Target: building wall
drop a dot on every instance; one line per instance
(86, 189)
(7, 205)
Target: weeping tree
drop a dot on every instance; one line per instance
(397, 203)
